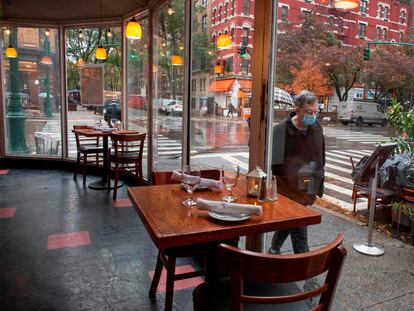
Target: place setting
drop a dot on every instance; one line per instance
(225, 210)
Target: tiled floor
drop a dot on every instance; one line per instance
(66, 247)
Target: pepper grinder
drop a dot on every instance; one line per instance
(261, 191)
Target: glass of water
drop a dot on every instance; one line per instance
(190, 178)
(230, 175)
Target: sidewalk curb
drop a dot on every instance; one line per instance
(327, 210)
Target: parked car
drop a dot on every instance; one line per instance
(174, 107)
(112, 110)
(361, 112)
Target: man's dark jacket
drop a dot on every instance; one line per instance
(316, 146)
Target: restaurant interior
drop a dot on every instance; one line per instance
(152, 81)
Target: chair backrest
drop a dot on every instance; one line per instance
(164, 178)
(128, 146)
(407, 194)
(269, 268)
(84, 140)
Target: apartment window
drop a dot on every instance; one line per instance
(219, 14)
(363, 7)
(232, 34)
(386, 12)
(204, 22)
(400, 37)
(402, 17)
(378, 33)
(201, 85)
(214, 16)
(244, 67)
(193, 103)
(228, 65)
(193, 85)
(226, 7)
(384, 34)
(245, 36)
(233, 8)
(205, 3)
(341, 24)
(284, 15)
(246, 9)
(361, 30)
(379, 11)
(204, 84)
(306, 15)
(202, 63)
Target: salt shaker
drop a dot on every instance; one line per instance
(272, 189)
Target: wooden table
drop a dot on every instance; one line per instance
(170, 224)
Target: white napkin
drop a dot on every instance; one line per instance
(204, 182)
(229, 208)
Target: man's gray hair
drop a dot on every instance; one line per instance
(305, 97)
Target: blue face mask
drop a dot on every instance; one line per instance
(309, 120)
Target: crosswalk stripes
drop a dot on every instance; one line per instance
(358, 136)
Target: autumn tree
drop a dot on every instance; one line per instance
(309, 77)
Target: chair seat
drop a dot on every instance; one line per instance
(125, 156)
(214, 295)
(91, 149)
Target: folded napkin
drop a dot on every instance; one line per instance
(204, 182)
(229, 208)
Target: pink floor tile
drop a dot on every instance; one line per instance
(7, 212)
(65, 240)
(4, 172)
(122, 203)
(180, 284)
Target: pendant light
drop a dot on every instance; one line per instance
(170, 10)
(223, 41)
(177, 60)
(46, 60)
(11, 52)
(7, 31)
(47, 32)
(100, 52)
(346, 4)
(133, 29)
(80, 34)
(109, 33)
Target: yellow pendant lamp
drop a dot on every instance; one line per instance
(100, 52)
(346, 4)
(177, 60)
(223, 41)
(133, 30)
(11, 52)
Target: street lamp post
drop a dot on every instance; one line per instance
(15, 117)
(48, 108)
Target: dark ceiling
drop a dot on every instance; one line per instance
(68, 10)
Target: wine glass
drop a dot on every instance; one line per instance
(190, 178)
(230, 174)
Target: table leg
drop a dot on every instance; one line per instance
(102, 184)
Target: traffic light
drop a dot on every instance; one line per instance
(367, 53)
(242, 51)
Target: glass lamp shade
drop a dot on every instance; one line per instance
(46, 60)
(223, 41)
(346, 4)
(217, 69)
(11, 52)
(133, 30)
(177, 60)
(100, 53)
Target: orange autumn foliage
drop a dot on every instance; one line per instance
(309, 78)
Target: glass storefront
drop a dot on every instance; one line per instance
(31, 92)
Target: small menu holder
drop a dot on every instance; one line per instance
(370, 171)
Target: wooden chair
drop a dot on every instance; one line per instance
(361, 189)
(406, 198)
(260, 281)
(167, 257)
(126, 155)
(89, 150)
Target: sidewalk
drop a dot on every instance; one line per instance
(366, 283)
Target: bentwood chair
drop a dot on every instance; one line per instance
(266, 282)
(167, 257)
(126, 155)
(88, 149)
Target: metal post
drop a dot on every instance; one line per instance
(15, 117)
(48, 108)
(370, 248)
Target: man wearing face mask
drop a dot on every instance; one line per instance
(298, 160)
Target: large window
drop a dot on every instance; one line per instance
(363, 7)
(220, 104)
(137, 85)
(93, 85)
(31, 92)
(168, 87)
(361, 30)
(246, 7)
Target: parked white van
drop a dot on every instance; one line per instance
(360, 112)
